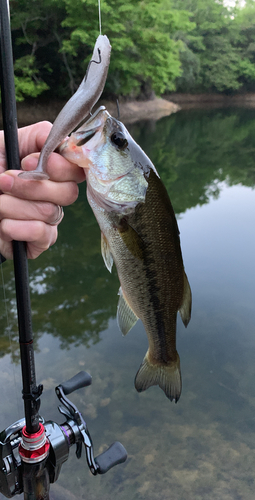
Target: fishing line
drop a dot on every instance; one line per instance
(10, 341)
(99, 16)
(92, 61)
(85, 78)
(118, 109)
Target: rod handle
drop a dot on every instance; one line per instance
(81, 379)
(116, 454)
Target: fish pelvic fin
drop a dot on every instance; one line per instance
(185, 309)
(167, 376)
(106, 253)
(126, 317)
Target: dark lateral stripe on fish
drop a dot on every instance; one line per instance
(151, 270)
(157, 308)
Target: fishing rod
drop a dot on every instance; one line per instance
(31, 393)
(32, 451)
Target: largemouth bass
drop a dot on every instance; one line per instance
(140, 235)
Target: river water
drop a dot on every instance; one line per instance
(204, 447)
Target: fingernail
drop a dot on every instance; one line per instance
(29, 162)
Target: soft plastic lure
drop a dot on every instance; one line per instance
(78, 106)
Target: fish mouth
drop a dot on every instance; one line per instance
(87, 130)
(97, 118)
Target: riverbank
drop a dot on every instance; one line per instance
(130, 112)
(189, 101)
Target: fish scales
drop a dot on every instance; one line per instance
(140, 235)
(159, 271)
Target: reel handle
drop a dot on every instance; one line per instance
(116, 454)
(81, 379)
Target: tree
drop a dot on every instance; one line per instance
(218, 47)
(36, 33)
(157, 45)
(58, 36)
(244, 23)
(145, 56)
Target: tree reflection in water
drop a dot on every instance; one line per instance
(72, 294)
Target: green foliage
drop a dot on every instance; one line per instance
(26, 82)
(144, 57)
(219, 53)
(60, 36)
(157, 45)
(190, 65)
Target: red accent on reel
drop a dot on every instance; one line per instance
(34, 447)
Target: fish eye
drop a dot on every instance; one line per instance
(119, 140)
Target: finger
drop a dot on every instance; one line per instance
(33, 250)
(33, 137)
(58, 168)
(30, 139)
(17, 209)
(6, 249)
(38, 235)
(2, 153)
(60, 193)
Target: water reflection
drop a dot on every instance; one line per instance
(196, 150)
(203, 447)
(73, 295)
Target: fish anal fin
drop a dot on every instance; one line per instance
(166, 376)
(185, 309)
(126, 317)
(106, 253)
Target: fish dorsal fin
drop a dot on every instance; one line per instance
(126, 317)
(185, 309)
(106, 253)
(132, 240)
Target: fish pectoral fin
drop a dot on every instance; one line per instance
(126, 317)
(166, 375)
(106, 253)
(185, 309)
(131, 238)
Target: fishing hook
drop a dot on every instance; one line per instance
(92, 61)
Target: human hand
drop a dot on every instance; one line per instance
(28, 208)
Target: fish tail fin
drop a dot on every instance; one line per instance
(167, 376)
